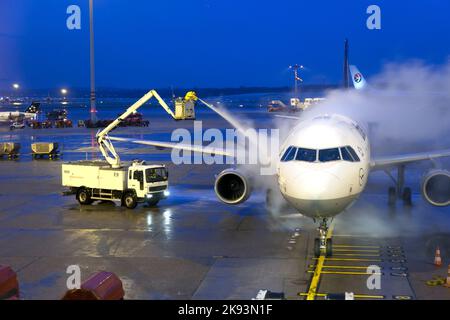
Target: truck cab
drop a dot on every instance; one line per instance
(149, 182)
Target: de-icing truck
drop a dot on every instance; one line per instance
(128, 184)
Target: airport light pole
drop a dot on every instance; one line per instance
(295, 68)
(64, 92)
(346, 67)
(92, 61)
(16, 88)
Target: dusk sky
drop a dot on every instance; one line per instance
(212, 43)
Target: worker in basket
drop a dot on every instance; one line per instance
(191, 95)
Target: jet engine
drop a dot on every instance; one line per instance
(436, 187)
(232, 187)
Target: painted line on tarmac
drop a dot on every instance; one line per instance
(342, 267)
(352, 259)
(356, 296)
(357, 255)
(357, 250)
(355, 246)
(348, 273)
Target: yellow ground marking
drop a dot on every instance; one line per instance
(316, 277)
(351, 259)
(357, 254)
(341, 267)
(349, 273)
(356, 250)
(355, 246)
(356, 296)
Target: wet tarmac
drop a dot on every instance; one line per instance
(193, 247)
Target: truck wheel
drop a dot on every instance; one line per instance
(130, 201)
(84, 197)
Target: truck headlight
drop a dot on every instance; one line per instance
(166, 193)
(149, 196)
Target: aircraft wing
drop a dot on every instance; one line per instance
(383, 162)
(178, 146)
(287, 117)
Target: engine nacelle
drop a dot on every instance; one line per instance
(436, 187)
(232, 187)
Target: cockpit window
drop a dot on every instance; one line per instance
(346, 155)
(327, 155)
(307, 155)
(353, 153)
(289, 154)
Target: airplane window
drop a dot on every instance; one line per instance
(327, 155)
(346, 155)
(353, 153)
(307, 155)
(289, 154)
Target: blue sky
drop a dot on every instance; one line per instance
(212, 43)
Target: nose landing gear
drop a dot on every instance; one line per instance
(323, 244)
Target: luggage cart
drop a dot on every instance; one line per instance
(9, 149)
(44, 149)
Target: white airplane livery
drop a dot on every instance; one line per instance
(29, 114)
(324, 164)
(323, 167)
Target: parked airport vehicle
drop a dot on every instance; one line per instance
(45, 149)
(57, 114)
(34, 124)
(129, 184)
(9, 149)
(65, 123)
(17, 125)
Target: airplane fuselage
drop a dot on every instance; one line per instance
(324, 165)
(16, 115)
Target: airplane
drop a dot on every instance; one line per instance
(322, 169)
(28, 114)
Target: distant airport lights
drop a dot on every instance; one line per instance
(16, 87)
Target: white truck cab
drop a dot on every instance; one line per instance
(129, 184)
(149, 181)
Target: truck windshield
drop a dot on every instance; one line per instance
(156, 174)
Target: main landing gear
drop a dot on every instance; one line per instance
(323, 244)
(399, 191)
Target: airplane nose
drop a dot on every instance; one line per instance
(315, 185)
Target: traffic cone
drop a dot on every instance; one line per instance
(437, 258)
(447, 283)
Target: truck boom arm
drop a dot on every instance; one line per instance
(105, 145)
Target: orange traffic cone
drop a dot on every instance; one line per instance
(437, 258)
(447, 283)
